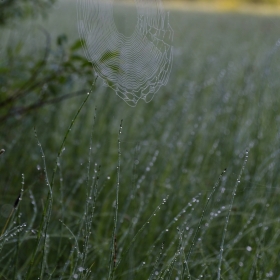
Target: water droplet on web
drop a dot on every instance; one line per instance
(249, 249)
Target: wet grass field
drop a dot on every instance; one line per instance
(180, 215)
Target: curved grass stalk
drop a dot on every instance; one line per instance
(75, 247)
(48, 208)
(185, 267)
(174, 220)
(113, 256)
(228, 215)
(138, 232)
(90, 192)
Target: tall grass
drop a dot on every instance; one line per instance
(140, 204)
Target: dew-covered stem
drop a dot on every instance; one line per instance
(228, 216)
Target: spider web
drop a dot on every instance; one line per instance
(135, 67)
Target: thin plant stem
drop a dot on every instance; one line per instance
(228, 215)
(48, 207)
(113, 256)
(138, 233)
(185, 267)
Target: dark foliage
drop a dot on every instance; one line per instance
(31, 77)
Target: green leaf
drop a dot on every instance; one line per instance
(78, 58)
(77, 45)
(109, 55)
(114, 67)
(61, 39)
(4, 70)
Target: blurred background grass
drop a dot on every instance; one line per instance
(222, 98)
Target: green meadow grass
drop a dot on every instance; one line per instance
(154, 201)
